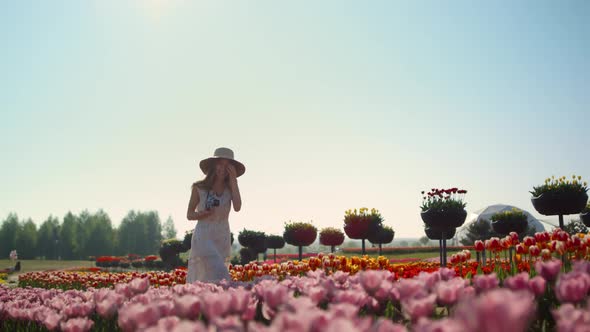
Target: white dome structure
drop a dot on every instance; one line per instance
(486, 214)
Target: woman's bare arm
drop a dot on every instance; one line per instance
(191, 213)
(233, 187)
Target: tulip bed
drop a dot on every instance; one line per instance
(81, 280)
(536, 291)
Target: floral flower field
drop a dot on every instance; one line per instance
(544, 287)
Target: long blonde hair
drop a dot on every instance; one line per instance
(207, 182)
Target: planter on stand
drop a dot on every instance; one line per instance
(441, 225)
(560, 204)
(381, 236)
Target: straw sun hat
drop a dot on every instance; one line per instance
(222, 153)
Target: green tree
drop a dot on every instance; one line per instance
(8, 234)
(100, 235)
(153, 228)
(169, 231)
(26, 240)
(424, 240)
(46, 236)
(70, 237)
(478, 230)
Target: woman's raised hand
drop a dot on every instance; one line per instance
(231, 171)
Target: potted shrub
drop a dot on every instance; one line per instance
(247, 255)
(275, 242)
(300, 234)
(253, 240)
(331, 237)
(509, 221)
(585, 215)
(169, 252)
(382, 236)
(358, 225)
(560, 196)
(443, 208)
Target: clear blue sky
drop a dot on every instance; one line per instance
(331, 105)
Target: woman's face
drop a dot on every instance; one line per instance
(221, 168)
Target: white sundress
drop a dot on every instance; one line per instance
(211, 242)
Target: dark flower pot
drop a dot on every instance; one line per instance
(357, 230)
(444, 218)
(381, 236)
(560, 203)
(275, 242)
(506, 226)
(585, 217)
(300, 237)
(436, 233)
(331, 239)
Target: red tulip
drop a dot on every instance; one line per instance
(479, 246)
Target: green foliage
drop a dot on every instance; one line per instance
(443, 200)
(513, 215)
(575, 226)
(363, 215)
(478, 230)
(275, 242)
(561, 185)
(168, 229)
(300, 233)
(252, 239)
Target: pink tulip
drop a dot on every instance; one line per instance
(275, 295)
(109, 305)
(548, 269)
(483, 282)
(186, 326)
(137, 316)
(415, 308)
(229, 323)
(52, 321)
(429, 279)
(386, 325)
(371, 280)
(215, 305)
(581, 266)
(409, 288)
(518, 282)
(568, 318)
(240, 299)
(77, 325)
(124, 290)
(448, 292)
(440, 325)
(139, 285)
(345, 310)
(164, 324)
(446, 273)
(572, 287)
(496, 310)
(537, 285)
(187, 306)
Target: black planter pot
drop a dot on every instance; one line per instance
(436, 233)
(381, 236)
(444, 219)
(585, 217)
(560, 203)
(506, 226)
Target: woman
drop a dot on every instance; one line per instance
(210, 203)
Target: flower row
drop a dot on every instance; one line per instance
(368, 301)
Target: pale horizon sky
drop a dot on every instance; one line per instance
(330, 105)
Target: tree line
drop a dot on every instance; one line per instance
(78, 237)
